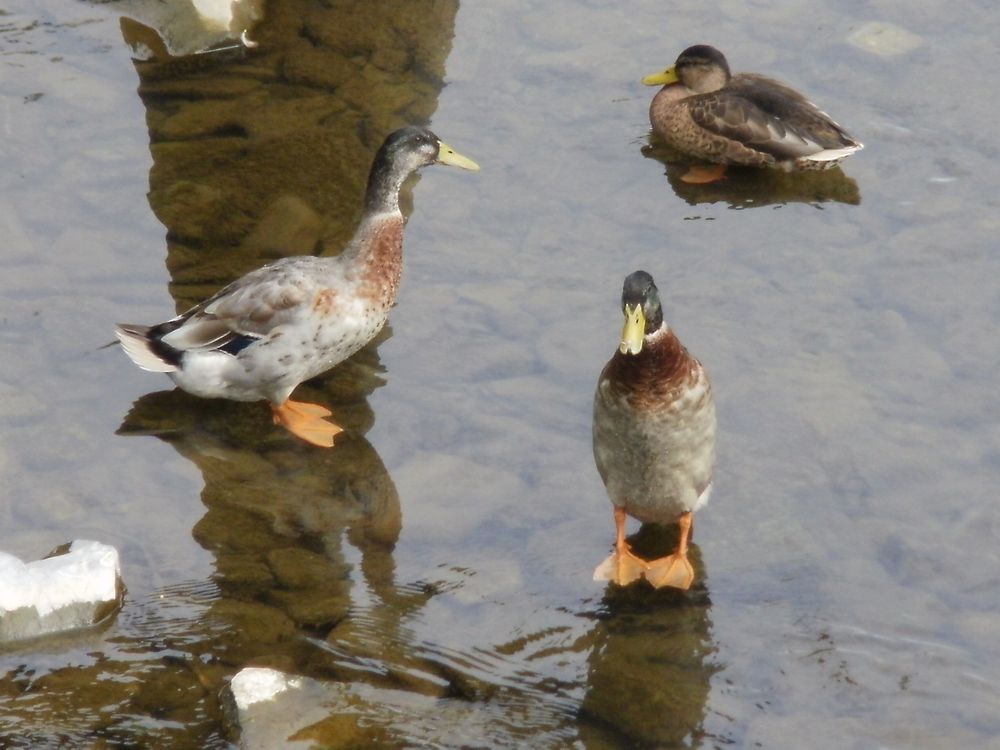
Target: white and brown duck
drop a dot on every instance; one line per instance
(263, 334)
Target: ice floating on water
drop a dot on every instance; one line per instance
(71, 589)
(256, 684)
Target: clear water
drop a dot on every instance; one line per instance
(438, 562)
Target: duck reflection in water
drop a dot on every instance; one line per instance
(746, 187)
(278, 512)
(654, 437)
(650, 663)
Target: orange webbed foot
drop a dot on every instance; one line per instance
(672, 570)
(306, 421)
(699, 175)
(621, 567)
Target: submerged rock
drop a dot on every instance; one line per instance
(76, 586)
(884, 39)
(271, 709)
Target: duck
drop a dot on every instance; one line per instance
(653, 436)
(295, 318)
(705, 112)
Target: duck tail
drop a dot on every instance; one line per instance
(834, 155)
(142, 349)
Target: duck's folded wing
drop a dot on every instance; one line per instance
(201, 333)
(738, 119)
(769, 117)
(242, 312)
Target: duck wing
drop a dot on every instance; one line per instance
(246, 310)
(768, 116)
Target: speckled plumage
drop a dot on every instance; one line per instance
(705, 112)
(291, 320)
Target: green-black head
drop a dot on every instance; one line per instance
(643, 313)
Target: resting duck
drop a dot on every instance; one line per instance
(747, 119)
(295, 318)
(654, 437)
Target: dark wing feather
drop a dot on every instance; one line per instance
(767, 116)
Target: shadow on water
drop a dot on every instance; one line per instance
(278, 513)
(745, 187)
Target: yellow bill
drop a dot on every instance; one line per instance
(448, 155)
(634, 331)
(662, 78)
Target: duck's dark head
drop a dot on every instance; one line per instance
(413, 147)
(643, 314)
(701, 68)
(403, 152)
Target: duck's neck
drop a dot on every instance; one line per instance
(376, 252)
(382, 193)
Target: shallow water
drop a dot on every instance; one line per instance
(437, 563)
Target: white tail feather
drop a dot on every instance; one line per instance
(834, 154)
(137, 348)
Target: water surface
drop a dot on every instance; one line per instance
(437, 563)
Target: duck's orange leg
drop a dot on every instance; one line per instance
(622, 567)
(675, 570)
(700, 175)
(306, 421)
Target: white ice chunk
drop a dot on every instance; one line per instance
(71, 590)
(255, 684)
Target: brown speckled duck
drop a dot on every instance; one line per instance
(705, 112)
(654, 437)
(291, 320)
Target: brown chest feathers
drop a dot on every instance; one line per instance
(657, 376)
(383, 262)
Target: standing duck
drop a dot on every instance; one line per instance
(291, 320)
(705, 112)
(654, 437)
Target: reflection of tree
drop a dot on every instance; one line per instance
(649, 667)
(278, 511)
(745, 187)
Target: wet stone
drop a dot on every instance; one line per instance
(244, 570)
(304, 64)
(222, 529)
(199, 120)
(884, 39)
(312, 608)
(200, 211)
(250, 622)
(268, 709)
(299, 568)
(199, 87)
